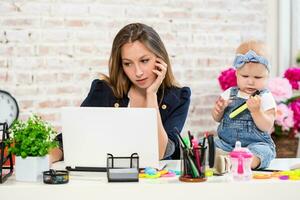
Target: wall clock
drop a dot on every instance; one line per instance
(9, 109)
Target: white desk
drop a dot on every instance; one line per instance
(94, 185)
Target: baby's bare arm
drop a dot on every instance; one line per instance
(264, 120)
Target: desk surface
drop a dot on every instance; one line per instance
(94, 185)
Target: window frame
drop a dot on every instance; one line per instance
(282, 34)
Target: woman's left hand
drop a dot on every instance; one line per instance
(160, 71)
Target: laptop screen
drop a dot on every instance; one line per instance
(89, 133)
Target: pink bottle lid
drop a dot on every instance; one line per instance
(240, 153)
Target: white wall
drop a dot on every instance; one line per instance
(296, 30)
(50, 51)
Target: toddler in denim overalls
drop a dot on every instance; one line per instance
(252, 126)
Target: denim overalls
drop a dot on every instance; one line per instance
(243, 128)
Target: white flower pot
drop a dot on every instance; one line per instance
(31, 168)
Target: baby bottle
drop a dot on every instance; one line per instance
(241, 159)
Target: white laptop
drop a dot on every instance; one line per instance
(89, 133)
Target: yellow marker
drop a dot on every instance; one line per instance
(142, 175)
(238, 111)
(163, 172)
(294, 177)
(209, 173)
(242, 107)
(262, 176)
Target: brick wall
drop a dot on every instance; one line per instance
(50, 51)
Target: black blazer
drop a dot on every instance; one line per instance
(173, 107)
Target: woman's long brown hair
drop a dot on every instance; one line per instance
(117, 78)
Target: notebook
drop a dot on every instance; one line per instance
(89, 133)
(283, 164)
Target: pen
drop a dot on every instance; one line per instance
(180, 138)
(187, 142)
(188, 145)
(203, 142)
(191, 137)
(202, 160)
(242, 107)
(163, 167)
(197, 155)
(195, 172)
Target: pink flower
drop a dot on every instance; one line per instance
(227, 79)
(293, 75)
(284, 117)
(280, 88)
(295, 107)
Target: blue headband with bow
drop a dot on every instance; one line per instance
(250, 56)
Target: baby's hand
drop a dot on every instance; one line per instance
(253, 103)
(220, 105)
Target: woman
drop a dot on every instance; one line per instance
(140, 75)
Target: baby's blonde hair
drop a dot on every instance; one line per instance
(254, 45)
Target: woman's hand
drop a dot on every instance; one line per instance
(160, 71)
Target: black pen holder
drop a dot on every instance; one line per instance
(123, 169)
(192, 164)
(6, 161)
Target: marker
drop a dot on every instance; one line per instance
(242, 107)
(238, 110)
(187, 142)
(193, 166)
(197, 155)
(180, 138)
(191, 137)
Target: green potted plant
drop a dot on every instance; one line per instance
(31, 141)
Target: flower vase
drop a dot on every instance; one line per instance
(31, 169)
